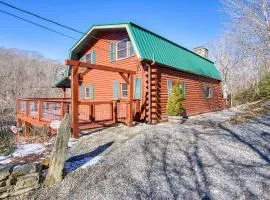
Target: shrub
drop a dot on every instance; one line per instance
(7, 137)
(7, 142)
(174, 106)
(264, 87)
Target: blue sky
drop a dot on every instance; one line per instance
(189, 23)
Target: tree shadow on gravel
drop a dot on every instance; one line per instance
(246, 142)
(78, 161)
(169, 178)
(201, 161)
(191, 166)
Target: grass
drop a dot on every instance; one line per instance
(251, 112)
(7, 142)
(254, 93)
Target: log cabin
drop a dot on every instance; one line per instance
(123, 73)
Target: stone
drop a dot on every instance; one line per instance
(33, 176)
(5, 189)
(4, 195)
(5, 171)
(24, 191)
(20, 170)
(59, 152)
(11, 181)
(3, 183)
(31, 180)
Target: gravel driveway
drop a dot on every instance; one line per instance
(204, 158)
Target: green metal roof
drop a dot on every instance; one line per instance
(152, 47)
(64, 81)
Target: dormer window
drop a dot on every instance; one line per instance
(121, 49)
(124, 49)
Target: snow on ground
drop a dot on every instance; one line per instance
(82, 163)
(23, 150)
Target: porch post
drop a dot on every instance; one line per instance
(64, 93)
(114, 111)
(75, 100)
(130, 98)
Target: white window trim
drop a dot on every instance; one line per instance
(85, 96)
(127, 50)
(121, 94)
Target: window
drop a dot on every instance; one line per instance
(138, 88)
(87, 93)
(208, 92)
(124, 90)
(169, 87)
(88, 58)
(124, 49)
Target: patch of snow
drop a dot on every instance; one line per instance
(5, 160)
(26, 149)
(23, 150)
(72, 143)
(91, 162)
(81, 164)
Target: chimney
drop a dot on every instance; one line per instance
(202, 51)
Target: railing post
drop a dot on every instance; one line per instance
(75, 100)
(93, 112)
(62, 110)
(18, 105)
(27, 108)
(129, 117)
(40, 111)
(91, 109)
(127, 113)
(27, 129)
(114, 111)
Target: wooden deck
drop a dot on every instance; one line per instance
(41, 112)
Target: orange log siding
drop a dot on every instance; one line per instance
(194, 103)
(103, 80)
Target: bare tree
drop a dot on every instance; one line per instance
(25, 74)
(242, 53)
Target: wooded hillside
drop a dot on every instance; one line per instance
(25, 74)
(242, 51)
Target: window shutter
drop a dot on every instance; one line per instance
(91, 92)
(112, 52)
(183, 86)
(93, 59)
(169, 87)
(131, 49)
(115, 90)
(138, 88)
(82, 92)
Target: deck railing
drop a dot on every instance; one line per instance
(115, 110)
(43, 109)
(40, 111)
